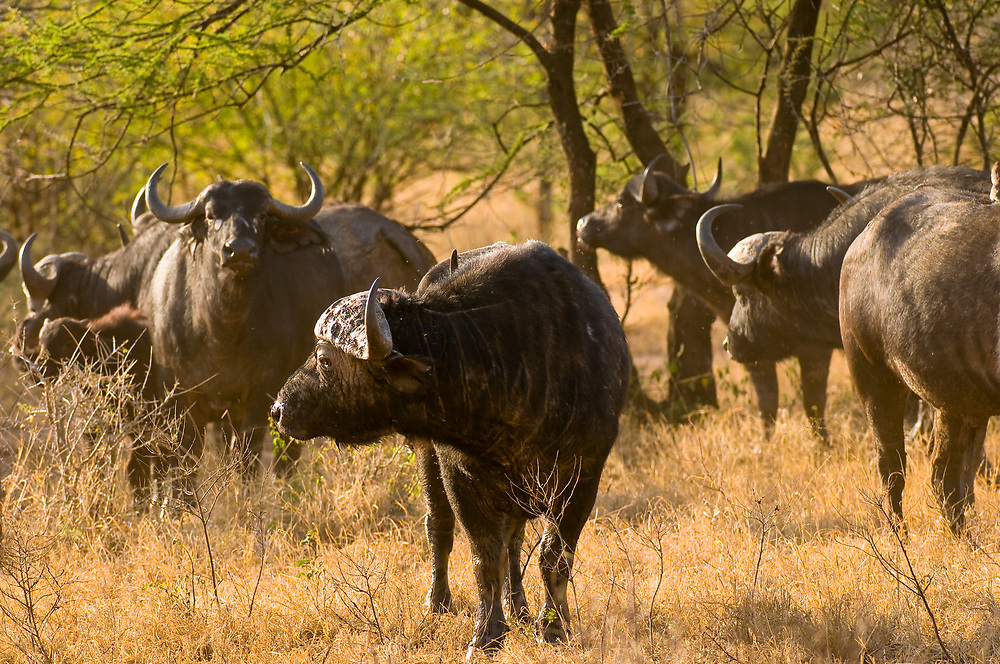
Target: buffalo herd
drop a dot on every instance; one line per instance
(505, 367)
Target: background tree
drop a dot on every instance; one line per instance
(378, 95)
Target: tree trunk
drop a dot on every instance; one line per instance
(793, 83)
(642, 136)
(689, 337)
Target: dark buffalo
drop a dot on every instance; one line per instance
(117, 341)
(231, 302)
(293, 245)
(515, 365)
(919, 305)
(785, 283)
(655, 218)
(77, 286)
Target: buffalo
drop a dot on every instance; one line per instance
(211, 256)
(116, 342)
(655, 218)
(919, 305)
(785, 283)
(514, 365)
(228, 313)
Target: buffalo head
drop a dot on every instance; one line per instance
(650, 204)
(753, 269)
(353, 369)
(241, 217)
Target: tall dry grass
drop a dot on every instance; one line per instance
(707, 544)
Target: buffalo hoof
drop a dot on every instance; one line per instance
(552, 628)
(518, 612)
(438, 602)
(487, 642)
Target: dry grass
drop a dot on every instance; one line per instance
(707, 544)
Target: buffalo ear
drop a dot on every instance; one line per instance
(407, 373)
(769, 262)
(284, 237)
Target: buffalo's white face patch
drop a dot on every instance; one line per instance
(343, 325)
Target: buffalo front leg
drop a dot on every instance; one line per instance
(883, 396)
(440, 524)
(958, 454)
(814, 365)
(764, 377)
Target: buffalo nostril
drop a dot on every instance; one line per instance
(276, 412)
(241, 249)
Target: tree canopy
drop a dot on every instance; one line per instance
(378, 93)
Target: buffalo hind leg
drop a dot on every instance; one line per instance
(764, 377)
(516, 601)
(555, 559)
(440, 524)
(814, 366)
(958, 454)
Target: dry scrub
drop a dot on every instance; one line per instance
(707, 544)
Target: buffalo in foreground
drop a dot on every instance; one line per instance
(655, 218)
(785, 283)
(515, 366)
(919, 310)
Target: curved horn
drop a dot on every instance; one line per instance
(648, 195)
(841, 195)
(123, 235)
(454, 260)
(178, 214)
(138, 206)
(713, 189)
(9, 256)
(725, 269)
(376, 327)
(995, 180)
(303, 212)
(35, 285)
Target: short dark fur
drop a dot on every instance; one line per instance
(663, 232)
(516, 367)
(919, 305)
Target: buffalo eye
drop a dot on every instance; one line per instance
(324, 357)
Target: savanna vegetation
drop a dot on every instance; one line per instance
(474, 122)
